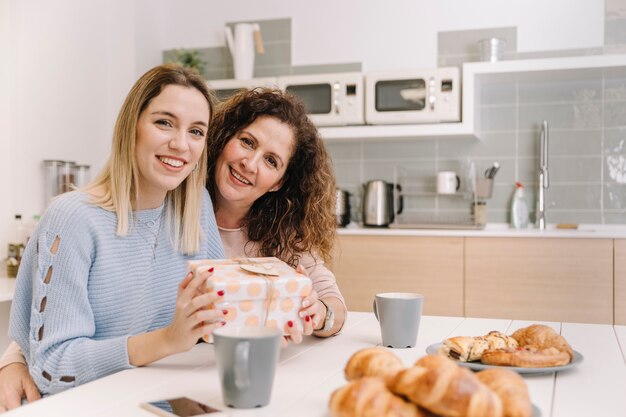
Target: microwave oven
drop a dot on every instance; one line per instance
(413, 96)
(330, 99)
(226, 88)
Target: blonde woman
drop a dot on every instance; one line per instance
(272, 186)
(102, 285)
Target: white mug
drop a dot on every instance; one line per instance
(448, 182)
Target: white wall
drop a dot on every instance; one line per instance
(68, 66)
(7, 110)
(387, 34)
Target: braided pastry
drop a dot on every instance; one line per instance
(368, 397)
(512, 390)
(378, 362)
(526, 357)
(441, 386)
(543, 337)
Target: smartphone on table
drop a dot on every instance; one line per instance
(181, 407)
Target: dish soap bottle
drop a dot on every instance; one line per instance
(519, 208)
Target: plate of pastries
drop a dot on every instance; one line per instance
(378, 384)
(533, 349)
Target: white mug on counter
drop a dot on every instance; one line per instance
(448, 182)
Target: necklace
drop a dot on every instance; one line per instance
(148, 225)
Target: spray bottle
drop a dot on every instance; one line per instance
(519, 208)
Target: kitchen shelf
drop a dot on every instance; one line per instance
(474, 74)
(408, 131)
(430, 194)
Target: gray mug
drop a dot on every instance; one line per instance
(399, 315)
(246, 361)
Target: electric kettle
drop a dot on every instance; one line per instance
(379, 208)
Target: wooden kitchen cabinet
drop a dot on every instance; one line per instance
(433, 266)
(548, 279)
(620, 281)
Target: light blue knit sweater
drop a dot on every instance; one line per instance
(103, 288)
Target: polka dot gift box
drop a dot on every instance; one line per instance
(257, 291)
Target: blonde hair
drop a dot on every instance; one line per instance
(119, 177)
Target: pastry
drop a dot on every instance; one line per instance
(442, 387)
(378, 362)
(467, 349)
(512, 390)
(368, 397)
(526, 357)
(542, 337)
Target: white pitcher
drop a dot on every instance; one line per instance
(242, 49)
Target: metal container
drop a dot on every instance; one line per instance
(342, 208)
(491, 49)
(52, 172)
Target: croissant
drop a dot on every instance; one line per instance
(466, 348)
(542, 337)
(378, 362)
(442, 387)
(368, 397)
(526, 357)
(511, 388)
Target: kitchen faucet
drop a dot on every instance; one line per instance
(540, 214)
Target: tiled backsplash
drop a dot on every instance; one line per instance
(586, 111)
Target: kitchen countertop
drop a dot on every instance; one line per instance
(598, 231)
(307, 374)
(7, 288)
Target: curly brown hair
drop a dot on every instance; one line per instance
(299, 217)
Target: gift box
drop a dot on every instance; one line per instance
(257, 291)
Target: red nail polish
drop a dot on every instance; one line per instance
(220, 292)
(225, 312)
(290, 323)
(223, 323)
(211, 269)
(308, 318)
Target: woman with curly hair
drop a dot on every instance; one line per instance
(271, 182)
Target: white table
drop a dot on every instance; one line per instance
(308, 373)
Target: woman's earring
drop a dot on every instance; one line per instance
(196, 168)
(273, 190)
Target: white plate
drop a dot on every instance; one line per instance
(477, 366)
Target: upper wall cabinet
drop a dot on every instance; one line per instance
(476, 76)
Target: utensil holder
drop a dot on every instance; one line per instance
(484, 188)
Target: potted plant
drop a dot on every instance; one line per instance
(189, 58)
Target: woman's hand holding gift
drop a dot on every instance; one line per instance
(311, 315)
(192, 318)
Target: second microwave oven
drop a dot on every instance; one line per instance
(413, 96)
(331, 99)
